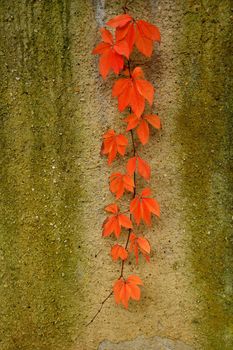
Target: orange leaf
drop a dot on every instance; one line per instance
(124, 290)
(141, 123)
(119, 183)
(146, 192)
(146, 89)
(113, 144)
(135, 209)
(141, 207)
(143, 132)
(128, 34)
(134, 280)
(111, 53)
(141, 165)
(143, 44)
(149, 30)
(133, 91)
(144, 245)
(132, 121)
(118, 251)
(153, 119)
(125, 221)
(106, 36)
(113, 223)
(112, 208)
(139, 243)
(131, 165)
(143, 168)
(146, 33)
(133, 32)
(119, 21)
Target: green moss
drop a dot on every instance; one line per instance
(204, 131)
(42, 255)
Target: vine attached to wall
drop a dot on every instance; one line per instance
(132, 91)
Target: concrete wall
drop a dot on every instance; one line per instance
(55, 268)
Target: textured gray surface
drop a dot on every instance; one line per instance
(153, 343)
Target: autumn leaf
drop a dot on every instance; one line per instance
(113, 144)
(119, 21)
(119, 252)
(142, 167)
(141, 125)
(114, 223)
(125, 289)
(133, 92)
(119, 183)
(141, 207)
(111, 53)
(139, 244)
(146, 33)
(138, 32)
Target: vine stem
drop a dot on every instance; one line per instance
(134, 194)
(97, 313)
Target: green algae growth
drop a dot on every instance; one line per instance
(204, 130)
(41, 254)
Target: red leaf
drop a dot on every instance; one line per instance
(138, 32)
(118, 251)
(139, 243)
(121, 182)
(143, 132)
(146, 89)
(128, 34)
(141, 207)
(122, 48)
(149, 30)
(138, 73)
(113, 223)
(124, 290)
(141, 123)
(113, 144)
(133, 91)
(101, 48)
(146, 192)
(144, 244)
(134, 280)
(146, 33)
(119, 21)
(131, 165)
(153, 119)
(111, 53)
(106, 36)
(143, 168)
(135, 209)
(143, 44)
(125, 221)
(112, 208)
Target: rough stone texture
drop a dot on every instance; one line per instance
(55, 268)
(153, 343)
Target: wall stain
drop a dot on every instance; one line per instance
(42, 255)
(204, 130)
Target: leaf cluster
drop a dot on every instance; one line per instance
(133, 92)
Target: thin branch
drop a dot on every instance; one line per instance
(134, 190)
(97, 313)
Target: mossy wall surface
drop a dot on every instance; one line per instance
(55, 269)
(204, 129)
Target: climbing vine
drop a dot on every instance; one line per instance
(132, 91)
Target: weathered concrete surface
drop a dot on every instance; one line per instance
(153, 343)
(42, 255)
(55, 267)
